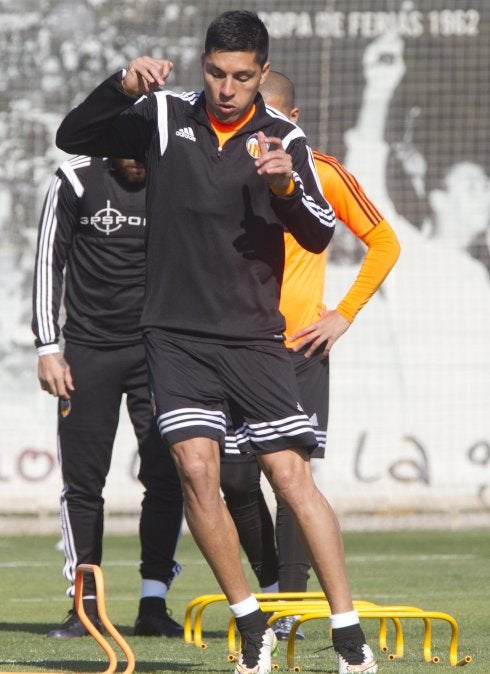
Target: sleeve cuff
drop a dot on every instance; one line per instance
(345, 313)
(48, 348)
(289, 189)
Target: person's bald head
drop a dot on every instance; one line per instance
(278, 92)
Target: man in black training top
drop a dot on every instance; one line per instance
(226, 176)
(93, 224)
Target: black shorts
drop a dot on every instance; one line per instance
(312, 375)
(194, 381)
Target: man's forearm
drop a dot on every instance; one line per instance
(89, 128)
(311, 222)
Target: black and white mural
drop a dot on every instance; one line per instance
(398, 90)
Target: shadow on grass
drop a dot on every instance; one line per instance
(33, 628)
(44, 628)
(91, 666)
(83, 666)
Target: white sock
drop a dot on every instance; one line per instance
(153, 588)
(270, 588)
(344, 619)
(248, 605)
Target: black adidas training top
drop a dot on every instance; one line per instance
(215, 249)
(92, 224)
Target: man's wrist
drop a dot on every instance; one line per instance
(122, 75)
(346, 311)
(286, 191)
(47, 349)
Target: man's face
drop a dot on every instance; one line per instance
(462, 208)
(130, 170)
(231, 82)
(470, 184)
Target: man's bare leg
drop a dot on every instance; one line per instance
(208, 518)
(210, 522)
(289, 473)
(290, 476)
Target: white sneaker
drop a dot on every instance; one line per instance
(256, 654)
(282, 628)
(355, 657)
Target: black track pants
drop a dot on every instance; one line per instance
(86, 437)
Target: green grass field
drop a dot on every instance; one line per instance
(440, 571)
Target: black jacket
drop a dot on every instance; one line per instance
(215, 249)
(93, 224)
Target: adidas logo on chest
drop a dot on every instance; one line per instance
(187, 133)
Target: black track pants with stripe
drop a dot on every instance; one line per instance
(86, 437)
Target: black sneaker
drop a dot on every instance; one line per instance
(154, 620)
(73, 627)
(257, 648)
(353, 654)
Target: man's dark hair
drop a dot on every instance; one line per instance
(238, 30)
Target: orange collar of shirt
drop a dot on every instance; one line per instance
(226, 131)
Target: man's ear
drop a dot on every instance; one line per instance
(265, 71)
(294, 115)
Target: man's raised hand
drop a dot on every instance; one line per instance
(274, 163)
(146, 74)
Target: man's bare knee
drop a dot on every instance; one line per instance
(289, 474)
(197, 461)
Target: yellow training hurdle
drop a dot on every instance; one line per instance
(395, 613)
(193, 622)
(313, 605)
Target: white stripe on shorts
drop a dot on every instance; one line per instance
(191, 416)
(273, 430)
(321, 438)
(231, 446)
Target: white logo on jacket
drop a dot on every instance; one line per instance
(109, 220)
(187, 132)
